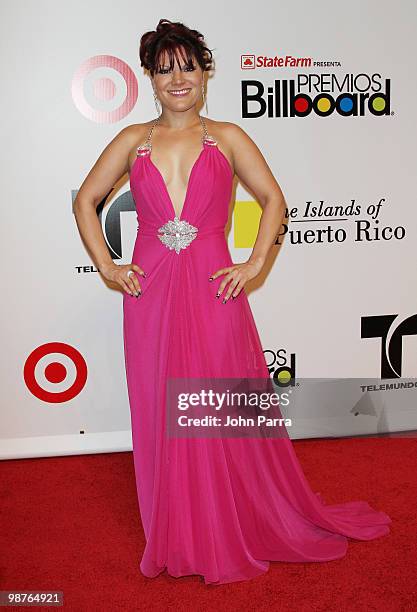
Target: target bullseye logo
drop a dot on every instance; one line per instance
(55, 372)
(107, 78)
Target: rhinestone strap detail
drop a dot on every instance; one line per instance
(146, 147)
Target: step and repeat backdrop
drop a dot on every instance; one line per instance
(327, 92)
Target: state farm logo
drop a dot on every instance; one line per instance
(247, 62)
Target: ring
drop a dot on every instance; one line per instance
(130, 272)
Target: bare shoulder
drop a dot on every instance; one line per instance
(136, 132)
(233, 139)
(135, 135)
(218, 129)
(234, 134)
(228, 135)
(111, 165)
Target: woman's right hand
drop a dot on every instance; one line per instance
(119, 274)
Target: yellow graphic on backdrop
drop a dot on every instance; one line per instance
(246, 218)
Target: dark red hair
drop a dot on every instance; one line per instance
(170, 36)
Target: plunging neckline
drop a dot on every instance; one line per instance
(187, 190)
(148, 146)
(146, 152)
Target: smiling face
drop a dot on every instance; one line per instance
(181, 87)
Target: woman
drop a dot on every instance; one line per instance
(219, 507)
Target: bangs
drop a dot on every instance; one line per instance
(175, 52)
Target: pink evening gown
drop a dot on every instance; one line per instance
(221, 508)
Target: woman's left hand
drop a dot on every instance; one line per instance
(237, 276)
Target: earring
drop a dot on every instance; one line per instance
(203, 95)
(155, 97)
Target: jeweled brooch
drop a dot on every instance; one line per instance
(177, 234)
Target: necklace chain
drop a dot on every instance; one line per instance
(148, 140)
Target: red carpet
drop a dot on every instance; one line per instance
(72, 524)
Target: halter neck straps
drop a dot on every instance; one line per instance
(147, 146)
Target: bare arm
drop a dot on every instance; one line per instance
(252, 169)
(111, 165)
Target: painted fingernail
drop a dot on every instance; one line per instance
(211, 278)
(144, 275)
(217, 295)
(224, 301)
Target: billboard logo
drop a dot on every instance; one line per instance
(282, 372)
(286, 98)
